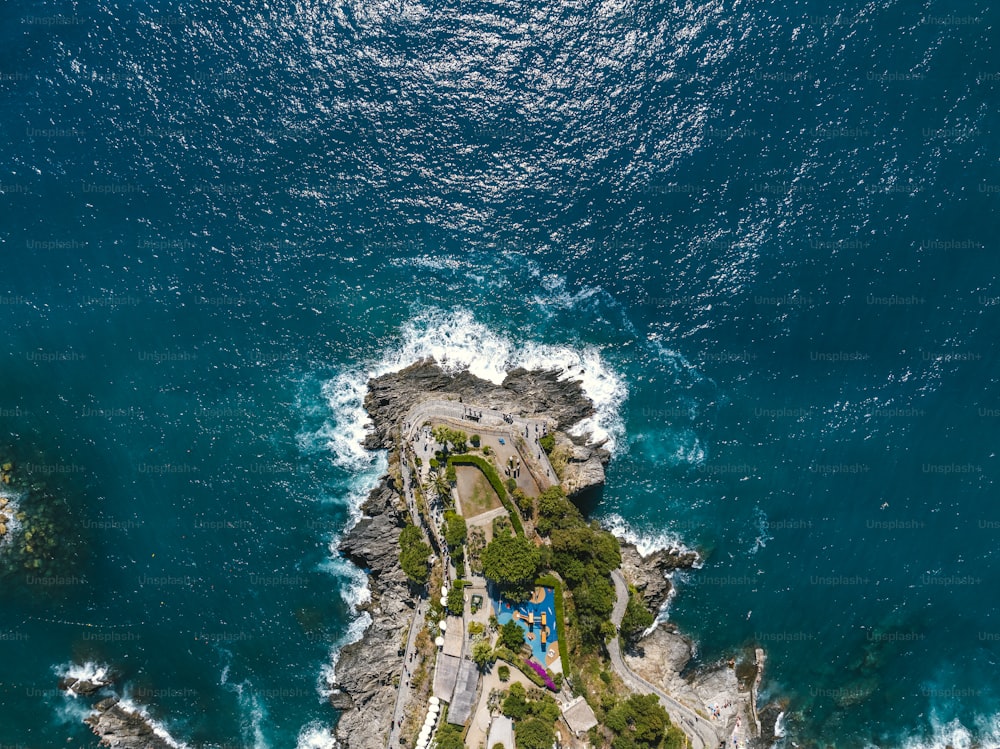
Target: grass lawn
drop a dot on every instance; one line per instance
(477, 496)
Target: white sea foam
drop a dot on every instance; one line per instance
(8, 516)
(158, 728)
(954, 735)
(316, 736)
(253, 711)
(645, 541)
(96, 673)
(779, 726)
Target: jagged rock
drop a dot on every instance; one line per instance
(119, 727)
(84, 687)
(649, 573)
(340, 700)
(365, 671)
(522, 392)
(584, 465)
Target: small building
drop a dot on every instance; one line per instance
(501, 732)
(579, 717)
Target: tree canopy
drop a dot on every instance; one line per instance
(641, 722)
(512, 563)
(455, 437)
(512, 636)
(637, 618)
(414, 554)
(455, 529)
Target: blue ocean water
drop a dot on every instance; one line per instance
(764, 234)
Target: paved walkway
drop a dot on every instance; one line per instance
(700, 731)
(453, 412)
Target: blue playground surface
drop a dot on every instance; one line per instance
(529, 617)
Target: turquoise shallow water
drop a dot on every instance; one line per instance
(763, 233)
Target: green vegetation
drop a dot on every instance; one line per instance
(584, 555)
(641, 722)
(456, 598)
(535, 714)
(475, 440)
(548, 442)
(512, 636)
(448, 736)
(511, 562)
(533, 733)
(503, 673)
(483, 655)
(524, 503)
(454, 437)
(455, 529)
(476, 629)
(494, 478)
(414, 554)
(637, 617)
(475, 544)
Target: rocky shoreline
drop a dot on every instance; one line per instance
(367, 670)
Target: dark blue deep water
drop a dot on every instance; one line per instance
(765, 233)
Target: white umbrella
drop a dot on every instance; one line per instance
(434, 709)
(425, 733)
(434, 701)
(444, 600)
(443, 625)
(444, 590)
(439, 641)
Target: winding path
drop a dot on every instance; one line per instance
(699, 730)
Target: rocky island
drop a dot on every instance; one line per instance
(500, 617)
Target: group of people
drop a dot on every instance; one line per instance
(471, 415)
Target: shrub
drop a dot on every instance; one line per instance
(503, 673)
(474, 439)
(414, 554)
(548, 442)
(511, 636)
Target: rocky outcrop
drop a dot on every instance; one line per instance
(524, 393)
(85, 686)
(649, 574)
(581, 466)
(118, 726)
(363, 685)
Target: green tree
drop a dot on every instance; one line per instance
(455, 437)
(548, 442)
(555, 511)
(524, 503)
(456, 599)
(456, 530)
(512, 636)
(482, 654)
(512, 563)
(534, 734)
(640, 720)
(414, 554)
(637, 618)
(475, 440)
(503, 673)
(515, 704)
(449, 737)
